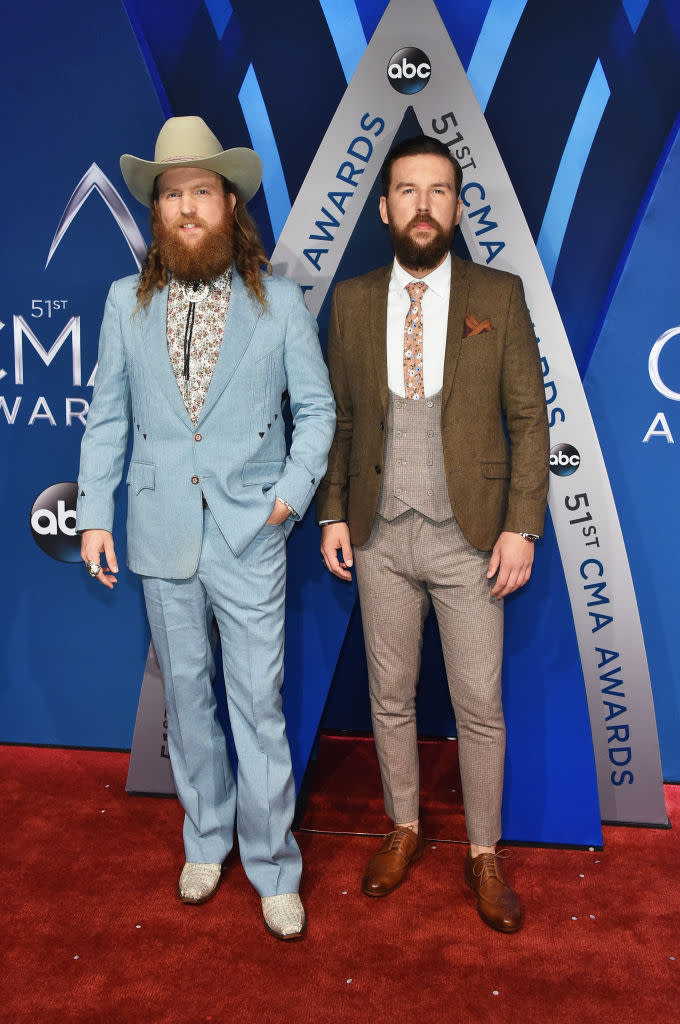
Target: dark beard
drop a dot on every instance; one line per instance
(203, 262)
(418, 256)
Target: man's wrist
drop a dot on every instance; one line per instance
(291, 510)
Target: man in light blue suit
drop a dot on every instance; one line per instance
(197, 355)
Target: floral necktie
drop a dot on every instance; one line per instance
(413, 342)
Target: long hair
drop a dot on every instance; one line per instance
(249, 256)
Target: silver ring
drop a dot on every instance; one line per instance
(94, 568)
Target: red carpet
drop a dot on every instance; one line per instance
(347, 795)
(92, 931)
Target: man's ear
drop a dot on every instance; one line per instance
(382, 206)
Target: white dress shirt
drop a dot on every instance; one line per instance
(435, 306)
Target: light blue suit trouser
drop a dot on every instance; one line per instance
(247, 596)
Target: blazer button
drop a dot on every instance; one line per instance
(194, 479)
(198, 437)
(377, 469)
(381, 426)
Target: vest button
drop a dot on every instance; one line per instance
(198, 437)
(430, 404)
(194, 479)
(430, 433)
(429, 494)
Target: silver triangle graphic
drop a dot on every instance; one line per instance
(94, 179)
(149, 770)
(309, 250)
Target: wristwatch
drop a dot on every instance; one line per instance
(531, 537)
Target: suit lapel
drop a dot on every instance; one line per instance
(242, 317)
(156, 345)
(458, 301)
(378, 333)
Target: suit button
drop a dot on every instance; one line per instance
(381, 426)
(198, 437)
(377, 469)
(194, 479)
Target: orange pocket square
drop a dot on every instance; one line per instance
(474, 326)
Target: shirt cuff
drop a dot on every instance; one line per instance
(289, 507)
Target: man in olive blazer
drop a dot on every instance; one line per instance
(436, 499)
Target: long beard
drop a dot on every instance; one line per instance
(202, 261)
(418, 256)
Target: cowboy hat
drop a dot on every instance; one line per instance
(188, 142)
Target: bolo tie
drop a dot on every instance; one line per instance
(199, 292)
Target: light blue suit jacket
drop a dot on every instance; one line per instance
(236, 454)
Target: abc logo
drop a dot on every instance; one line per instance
(564, 459)
(53, 522)
(409, 70)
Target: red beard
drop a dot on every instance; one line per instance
(414, 255)
(203, 261)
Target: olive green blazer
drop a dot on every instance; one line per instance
(494, 421)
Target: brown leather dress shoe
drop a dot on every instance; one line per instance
(497, 904)
(387, 868)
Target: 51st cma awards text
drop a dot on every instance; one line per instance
(30, 409)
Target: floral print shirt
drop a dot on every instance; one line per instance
(210, 315)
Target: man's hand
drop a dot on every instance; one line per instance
(335, 536)
(94, 543)
(512, 558)
(280, 513)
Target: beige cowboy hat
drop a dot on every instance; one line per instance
(188, 142)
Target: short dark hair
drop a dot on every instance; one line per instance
(416, 146)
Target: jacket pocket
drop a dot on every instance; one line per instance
(496, 470)
(141, 476)
(489, 335)
(261, 473)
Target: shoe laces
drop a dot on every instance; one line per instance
(488, 867)
(397, 836)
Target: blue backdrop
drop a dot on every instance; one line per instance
(582, 102)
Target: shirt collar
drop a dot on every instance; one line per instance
(439, 279)
(218, 284)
